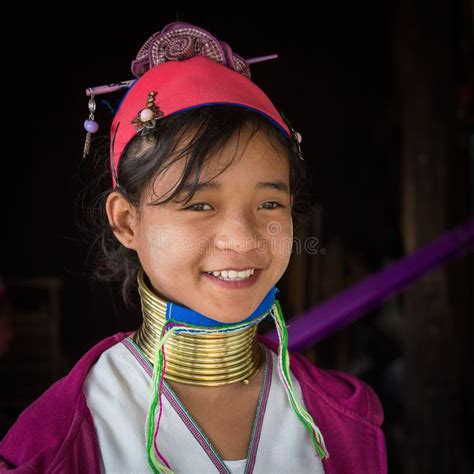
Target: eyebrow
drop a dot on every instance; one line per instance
(277, 185)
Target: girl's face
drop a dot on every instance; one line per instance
(242, 221)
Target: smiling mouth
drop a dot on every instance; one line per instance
(245, 274)
(234, 283)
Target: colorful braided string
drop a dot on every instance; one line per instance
(285, 376)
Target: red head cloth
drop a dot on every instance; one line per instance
(185, 84)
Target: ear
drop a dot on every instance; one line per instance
(123, 219)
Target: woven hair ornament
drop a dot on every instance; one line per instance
(179, 68)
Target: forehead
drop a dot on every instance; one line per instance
(254, 158)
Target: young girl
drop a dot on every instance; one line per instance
(206, 175)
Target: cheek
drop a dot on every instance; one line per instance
(168, 248)
(166, 256)
(279, 238)
(283, 251)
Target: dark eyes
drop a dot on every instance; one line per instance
(193, 206)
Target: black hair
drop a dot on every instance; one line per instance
(145, 157)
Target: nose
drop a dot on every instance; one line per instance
(238, 231)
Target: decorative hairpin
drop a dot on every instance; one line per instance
(145, 121)
(296, 137)
(90, 124)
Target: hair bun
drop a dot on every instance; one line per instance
(179, 41)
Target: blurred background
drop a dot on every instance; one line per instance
(382, 93)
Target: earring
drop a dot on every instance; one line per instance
(90, 124)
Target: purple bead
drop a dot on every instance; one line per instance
(91, 125)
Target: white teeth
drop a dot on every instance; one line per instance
(233, 275)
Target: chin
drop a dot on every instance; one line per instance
(239, 314)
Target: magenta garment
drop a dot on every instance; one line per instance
(56, 434)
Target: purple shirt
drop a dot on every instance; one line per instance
(56, 432)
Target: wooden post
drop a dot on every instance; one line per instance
(434, 198)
